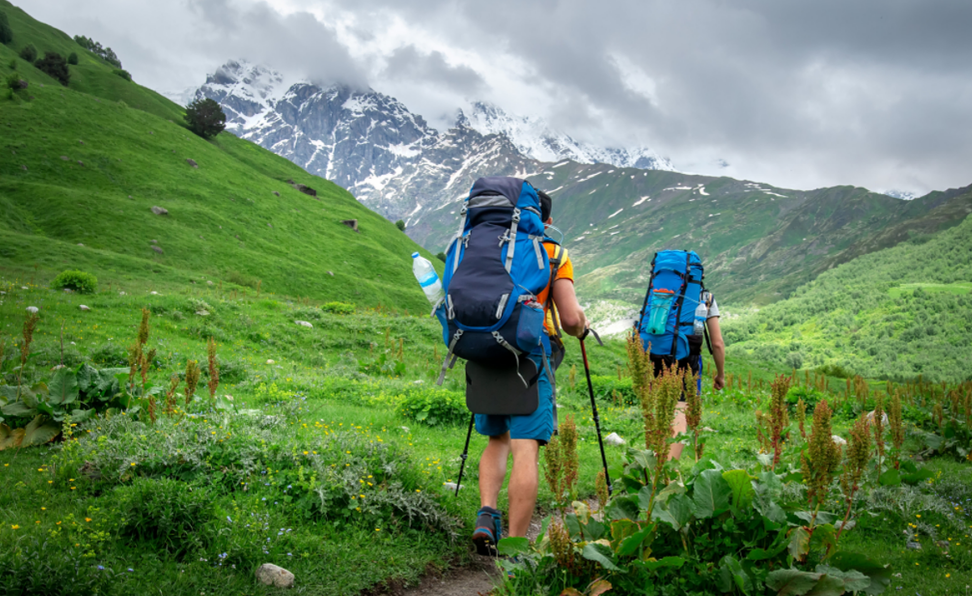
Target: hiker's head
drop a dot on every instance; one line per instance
(545, 204)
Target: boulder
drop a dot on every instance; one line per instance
(838, 440)
(84, 308)
(304, 324)
(157, 249)
(884, 418)
(306, 190)
(271, 575)
(351, 223)
(276, 193)
(192, 162)
(160, 210)
(614, 439)
(65, 158)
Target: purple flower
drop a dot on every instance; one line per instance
(100, 568)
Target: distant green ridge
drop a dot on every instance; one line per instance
(81, 166)
(893, 314)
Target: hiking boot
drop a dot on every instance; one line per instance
(488, 530)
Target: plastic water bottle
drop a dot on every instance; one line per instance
(427, 278)
(701, 312)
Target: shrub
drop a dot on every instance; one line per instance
(56, 66)
(433, 406)
(13, 81)
(79, 281)
(6, 33)
(400, 225)
(122, 73)
(441, 256)
(94, 47)
(73, 58)
(29, 53)
(109, 354)
(606, 387)
(205, 117)
(167, 512)
(338, 308)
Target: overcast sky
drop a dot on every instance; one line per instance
(874, 93)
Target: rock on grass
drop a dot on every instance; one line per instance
(272, 575)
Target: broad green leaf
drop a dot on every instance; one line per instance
(87, 376)
(644, 497)
(917, 476)
(40, 430)
(732, 574)
(791, 582)
(513, 546)
(678, 511)
(18, 408)
(827, 585)
(853, 581)
(8, 392)
(711, 494)
(63, 387)
(630, 545)
(890, 478)
(674, 562)
(600, 553)
(594, 530)
(571, 592)
(909, 466)
(673, 488)
(799, 543)
(622, 528)
(764, 459)
(880, 575)
(778, 546)
(78, 416)
(823, 537)
(623, 508)
(741, 484)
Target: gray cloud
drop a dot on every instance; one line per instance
(873, 92)
(407, 63)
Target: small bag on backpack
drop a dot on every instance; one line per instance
(495, 269)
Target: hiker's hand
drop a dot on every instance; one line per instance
(719, 382)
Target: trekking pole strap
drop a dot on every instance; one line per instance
(597, 423)
(590, 331)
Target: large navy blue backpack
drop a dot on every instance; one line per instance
(494, 271)
(667, 316)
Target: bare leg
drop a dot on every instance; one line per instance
(492, 469)
(523, 485)
(678, 426)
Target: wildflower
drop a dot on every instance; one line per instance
(87, 519)
(14, 527)
(100, 568)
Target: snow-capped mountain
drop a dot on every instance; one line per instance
(367, 142)
(535, 139)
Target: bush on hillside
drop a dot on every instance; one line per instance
(29, 53)
(434, 406)
(205, 117)
(79, 281)
(441, 256)
(338, 308)
(94, 47)
(56, 66)
(400, 225)
(123, 74)
(6, 33)
(13, 81)
(73, 58)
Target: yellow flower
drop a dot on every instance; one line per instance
(43, 508)
(379, 530)
(918, 515)
(87, 519)
(133, 463)
(14, 527)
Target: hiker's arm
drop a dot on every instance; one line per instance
(572, 318)
(718, 352)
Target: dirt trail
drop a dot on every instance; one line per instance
(479, 578)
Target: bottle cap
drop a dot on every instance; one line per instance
(415, 255)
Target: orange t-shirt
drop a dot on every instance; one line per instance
(565, 271)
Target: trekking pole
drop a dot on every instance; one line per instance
(597, 422)
(465, 453)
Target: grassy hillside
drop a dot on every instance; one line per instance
(81, 168)
(897, 313)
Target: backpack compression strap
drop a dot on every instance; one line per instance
(651, 282)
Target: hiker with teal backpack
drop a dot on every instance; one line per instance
(499, 287)
(678, 314)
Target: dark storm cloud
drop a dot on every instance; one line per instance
(297, 42)
(407, 63)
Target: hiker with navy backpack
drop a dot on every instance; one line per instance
(677, 317)
(503, 277)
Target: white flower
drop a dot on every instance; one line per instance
(32, 309)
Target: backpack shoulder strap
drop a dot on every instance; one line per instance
(559, 255)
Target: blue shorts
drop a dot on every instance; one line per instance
(538, 426)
